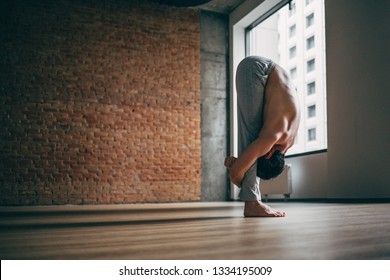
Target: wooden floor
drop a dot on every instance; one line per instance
(195, 231)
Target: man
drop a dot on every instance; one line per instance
(268, 121)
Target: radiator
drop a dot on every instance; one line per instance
(279, 185)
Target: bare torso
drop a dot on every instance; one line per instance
(280, 125)
(281, 110)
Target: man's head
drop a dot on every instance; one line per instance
(270, 168)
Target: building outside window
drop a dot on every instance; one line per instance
(293, 52)
(311, 65)
(311, 111)
(310, 20)
(311, 135)
(310, 43)
(288, 41)
(293, 73)
(292, 10)
(307, 2)
(311, 88)
(292, 30)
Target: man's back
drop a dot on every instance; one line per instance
(281, 110)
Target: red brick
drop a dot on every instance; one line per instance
(95, 104)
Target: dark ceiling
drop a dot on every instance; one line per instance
(221, 6)
(218, 6)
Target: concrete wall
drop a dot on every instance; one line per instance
(357, 45)
(214, 105)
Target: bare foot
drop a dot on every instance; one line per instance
(259, 209)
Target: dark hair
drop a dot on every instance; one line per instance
(270, 168)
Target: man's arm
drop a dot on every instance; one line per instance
(258, 148)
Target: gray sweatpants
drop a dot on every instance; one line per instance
(251, 78)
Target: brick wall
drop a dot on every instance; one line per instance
(100, 102)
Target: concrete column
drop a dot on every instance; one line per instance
(214, 105)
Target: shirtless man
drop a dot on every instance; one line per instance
(268, 121)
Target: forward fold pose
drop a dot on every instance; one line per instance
(268, 121)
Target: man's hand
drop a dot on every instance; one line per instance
(239, 166)
(229, 161)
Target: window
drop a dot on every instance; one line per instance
(311, 88)
(307, 2)
(310, 20)
(310, 65)
(292, 30)
(292, 10)
(311, 134)
(293, 73)
(301, 52)
(311, 111)
(293, 52)
(310, 43)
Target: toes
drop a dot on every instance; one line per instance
(278, 214)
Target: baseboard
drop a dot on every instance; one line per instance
(331, 200)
